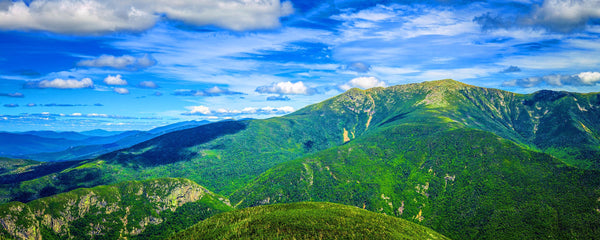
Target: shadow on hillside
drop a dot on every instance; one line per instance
(37, 171)
(170, 148)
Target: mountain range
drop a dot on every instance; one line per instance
(64, 146)
(466, 161)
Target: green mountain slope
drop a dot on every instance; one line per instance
(461, 182)
(429, 152)
(225, 156)
(306, 220)
(152, 209)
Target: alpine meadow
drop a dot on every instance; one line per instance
(294, 119)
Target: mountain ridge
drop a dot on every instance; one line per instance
(127, 209)
(426, 152)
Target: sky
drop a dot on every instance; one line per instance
(76, 65)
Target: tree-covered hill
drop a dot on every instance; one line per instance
(306, 220)
(152, 209)
(463, 183)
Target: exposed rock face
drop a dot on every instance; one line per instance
(126, 208)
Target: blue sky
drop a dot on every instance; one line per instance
(129, 64)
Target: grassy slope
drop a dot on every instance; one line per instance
(306, 220)
(152, 209)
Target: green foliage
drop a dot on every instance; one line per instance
(466, 184)
(152, 209)
(306, 220)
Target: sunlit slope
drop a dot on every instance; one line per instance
(152, 209)
(463, 183)
(306, 220)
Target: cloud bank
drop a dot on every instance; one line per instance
(297, 88)
(61, 83)
(581, 79)
(100, 16)
(206, 111)
(211, 92)
(553, 15)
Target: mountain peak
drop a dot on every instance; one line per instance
(449, 83)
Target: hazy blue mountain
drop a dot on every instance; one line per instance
(63, 146)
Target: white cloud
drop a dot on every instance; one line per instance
(74, 16)
(363, 82)
(199, 110)
(222, 112)
(589, 78)
(123, 62)
(100, 16)
(565, 16)
(121, 90)
(580, 79)
(286, 88)
(114, 80)
(61, 83)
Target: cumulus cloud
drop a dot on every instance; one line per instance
(297, 88)
(101, 16)
(278, 98)
(125, 62)
(553, 15)
(14, 95)
(61, 83)
(589, 78)
(115, 80)
(363, 83)
(199, 110)
(581, 79)
(205, 111)
(147, 84)
(565, 16)
(211, 92)
(121, 91)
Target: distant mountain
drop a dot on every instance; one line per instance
(469, 162)
(153, 209)
(52, 146)
(306, 220)
(58, 135)
(100, 133)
